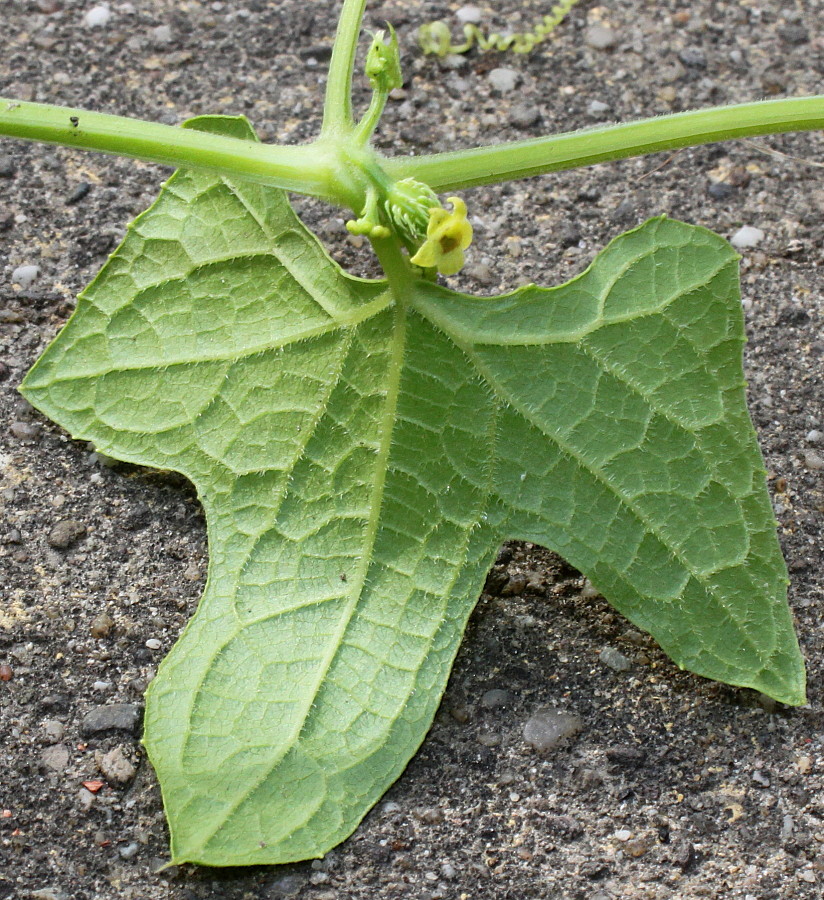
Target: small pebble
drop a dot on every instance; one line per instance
(468, 15)
(814, 460)
(503, 80)
(154, 644)
(78, 193)
(600, 37)
(738, 59)
(112, 717)
(53, 731)
(815, 437)
(496, 699)
(287, 886)
(98, 16)
(101, 625)
(693, 57)
(460, 713)
(627, 756)
(6, 672)
(598, 108)
(162, 34)
(616, 660)
(793, 34)
(55, 757)
(760, 778)
(430, 816)
(569, 235)
(550, 727)
(7, 167)
(747, 237)
(481, 273)
(25, 276)
(116, 766)
(522, 115)
(25, 431)
(65, 533)
(489, 739)
(720, 190)
(129, 851)
(638, 846)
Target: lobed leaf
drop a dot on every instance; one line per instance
(360, 457)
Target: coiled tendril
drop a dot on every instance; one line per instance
(436, 38)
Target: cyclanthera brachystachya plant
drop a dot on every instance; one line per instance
(362, 447)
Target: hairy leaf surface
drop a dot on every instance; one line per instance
(360, 457)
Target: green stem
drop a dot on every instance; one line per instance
(337, 107)
(308, 169)
(521, 159)
(369, 121)
(395, 265)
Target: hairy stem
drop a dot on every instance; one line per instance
(308, 169)
(337, 107)
(521, 159)
(365, 128)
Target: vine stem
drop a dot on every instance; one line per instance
(307, 169)
(521, 159)
(327, 168)
(337, 106)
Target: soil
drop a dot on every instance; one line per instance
(674, 786)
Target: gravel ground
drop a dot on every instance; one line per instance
(668, 785)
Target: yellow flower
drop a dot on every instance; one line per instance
(448, 234)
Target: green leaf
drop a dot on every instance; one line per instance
(360, 457)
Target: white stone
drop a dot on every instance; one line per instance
(600, 37)
(503, 80)
(747, 237)
(469, 15)
(162, 34)
(25, 275)
(98, 16)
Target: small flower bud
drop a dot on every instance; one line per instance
(383, 63)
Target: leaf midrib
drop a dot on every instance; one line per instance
(386, 428)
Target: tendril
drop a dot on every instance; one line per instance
(436, 38)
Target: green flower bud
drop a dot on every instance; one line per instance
(383, 63)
